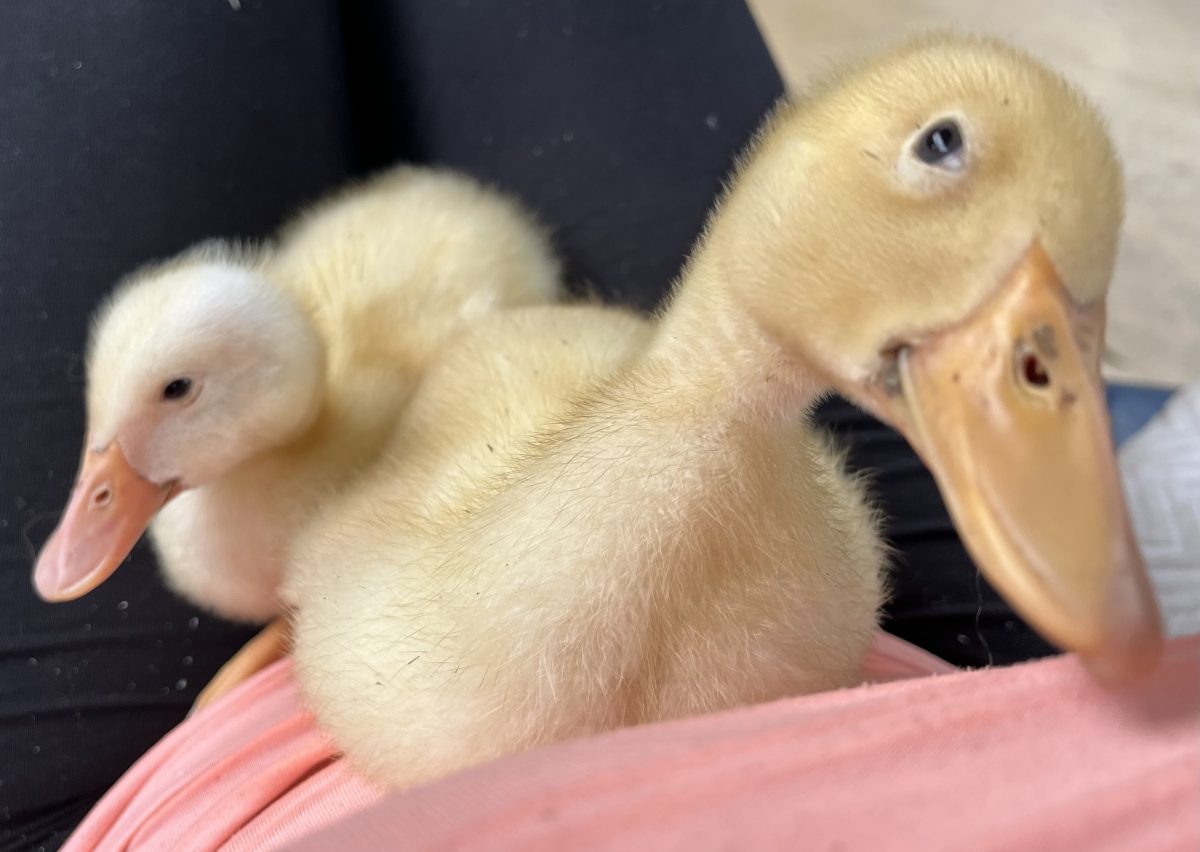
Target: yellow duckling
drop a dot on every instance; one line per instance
(230, 391)
(590, 521)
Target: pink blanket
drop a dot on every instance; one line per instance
(1032, 756)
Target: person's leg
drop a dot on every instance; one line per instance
(617, 122)
(1036, 756)
(127, 131)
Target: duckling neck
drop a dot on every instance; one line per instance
(710, 350)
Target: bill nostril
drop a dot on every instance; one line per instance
(101, 497)
(1033, 372)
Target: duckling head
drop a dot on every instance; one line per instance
(194, 367)
(933, 233)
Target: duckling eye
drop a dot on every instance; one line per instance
(941, 145)
(177, 389)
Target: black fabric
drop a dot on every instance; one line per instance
(131, 128)
(616, 122)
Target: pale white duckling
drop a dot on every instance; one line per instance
(608, 524)
(230, 391)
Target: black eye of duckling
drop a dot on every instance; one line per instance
(177, 388)
(940, 143)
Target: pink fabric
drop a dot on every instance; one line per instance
(250, 769)
(1034, 756)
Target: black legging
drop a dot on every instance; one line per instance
(132, 128)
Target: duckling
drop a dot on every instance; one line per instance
(634, 521)
(230, 390)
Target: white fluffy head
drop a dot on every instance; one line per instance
(242, 360)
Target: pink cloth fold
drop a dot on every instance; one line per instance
(1032, 756)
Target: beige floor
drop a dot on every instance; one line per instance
(1141, 62)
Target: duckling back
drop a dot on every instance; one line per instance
(498, 390)
(389, 267)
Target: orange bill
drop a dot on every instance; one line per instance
(1007, 410)
(110, 507)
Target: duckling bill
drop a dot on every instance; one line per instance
(1007, 410)
(110, 507)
